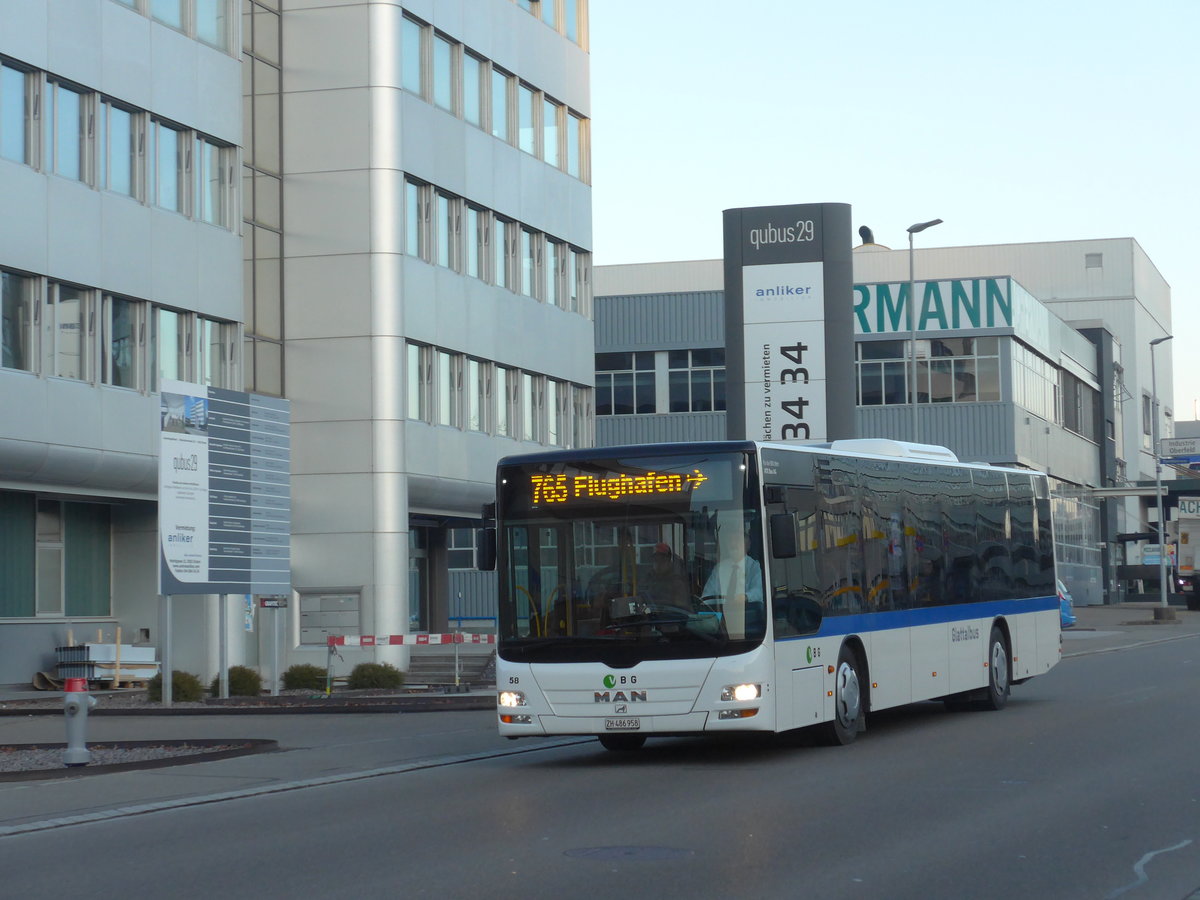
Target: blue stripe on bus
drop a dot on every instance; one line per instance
(832, 626)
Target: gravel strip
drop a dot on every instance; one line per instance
(13, 759)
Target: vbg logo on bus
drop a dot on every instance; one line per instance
(611, 696)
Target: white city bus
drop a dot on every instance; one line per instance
(675, 589)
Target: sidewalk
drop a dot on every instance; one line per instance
(1124, 624)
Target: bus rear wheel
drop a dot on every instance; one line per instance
(848, 712)
(999, 671)
(622, 742)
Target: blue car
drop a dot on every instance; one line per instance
(1066, 611)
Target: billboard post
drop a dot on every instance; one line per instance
(789, 333)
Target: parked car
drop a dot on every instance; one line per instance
(1066, 606)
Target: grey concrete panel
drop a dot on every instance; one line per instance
(24, 237)
(328, 296)
(323, 130)
(330, 379)
(328, 213)
(334, 41)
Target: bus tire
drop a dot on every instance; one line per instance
(999, 671)
(848, 712)
(622, 742)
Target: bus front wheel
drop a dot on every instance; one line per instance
(999, 671)
(848, 712)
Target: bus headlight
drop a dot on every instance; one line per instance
(741, 692)
(512, 698)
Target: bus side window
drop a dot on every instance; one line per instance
(794, 577)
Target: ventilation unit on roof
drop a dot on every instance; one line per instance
(885, 447)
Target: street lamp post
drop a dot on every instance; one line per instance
(1164, 610)
(912, 320)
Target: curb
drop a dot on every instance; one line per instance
(304, 707)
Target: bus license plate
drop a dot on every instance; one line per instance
(622, 724)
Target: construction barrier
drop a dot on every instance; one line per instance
(368, 640)
(372, 640)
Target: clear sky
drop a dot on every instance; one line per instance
(1028, 120)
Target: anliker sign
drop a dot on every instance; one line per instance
(789, 331)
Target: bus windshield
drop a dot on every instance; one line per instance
(624, 559)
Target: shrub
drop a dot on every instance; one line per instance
(366, 676)
(243, 682)
(185, 687)
(304, 677)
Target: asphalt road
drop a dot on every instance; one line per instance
(1084, 787)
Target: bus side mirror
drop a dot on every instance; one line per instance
(783, 536)
(485, 549)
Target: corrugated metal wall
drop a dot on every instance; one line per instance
(660, 321)
(473, 597)
(612, 431)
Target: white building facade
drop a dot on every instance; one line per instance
(120, 129)
(405, 257)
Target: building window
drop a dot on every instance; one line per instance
(416, 218)
(410, 49)
(1080, 406)
(16, 324)
(65, 134)
(696, 379)
(625, 384)
(169, 12)
(528, 258)
(120, 344)
(531, 406)
(214, 353)
(476, 397)
(168, 347)
(460, 548)
(550, 114)
(447, 388)
(526, 133)
(474, 242)
(214, 175)
(574, 165)
(500, 89)
(73, 559)
(418, 383)
(502, 389)
(446, 221)
(1035, 383)
(443, 73)
(1147, 421)
(503, 242)
(555, 272)
(14, 114)
(117, 149)
(580, 417)
(69, 324)
(949, 370)
(212, 22)
(472, 81)
(167, 181)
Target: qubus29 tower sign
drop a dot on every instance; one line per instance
(789, 327)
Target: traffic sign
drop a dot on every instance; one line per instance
(1180, 448)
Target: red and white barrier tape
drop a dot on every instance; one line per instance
(371, 640)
